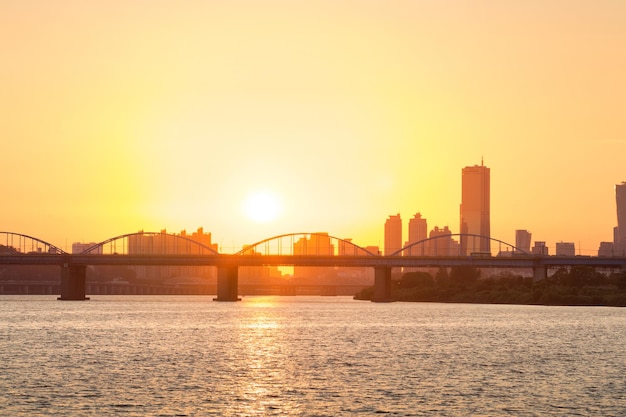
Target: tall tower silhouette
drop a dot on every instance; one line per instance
(393, 234)
(620, 201)
(417, 232)
(475, 212)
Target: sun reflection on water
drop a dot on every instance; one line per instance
(264, 350)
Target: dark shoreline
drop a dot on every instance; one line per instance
(575, 287)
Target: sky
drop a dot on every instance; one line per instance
(122, 116)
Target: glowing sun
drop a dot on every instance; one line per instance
(262, 207)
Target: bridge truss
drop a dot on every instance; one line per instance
(321, 244)
(151, 243)
(17, 243)
(445, 245)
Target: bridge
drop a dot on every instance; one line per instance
(295, 249)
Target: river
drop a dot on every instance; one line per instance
(307, 356)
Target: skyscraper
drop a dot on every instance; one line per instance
(522, 240)
(418, 231)
(475, 210)
(393, 234)
(620, 200)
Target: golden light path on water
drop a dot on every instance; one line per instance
(307, 356)
(265, 358)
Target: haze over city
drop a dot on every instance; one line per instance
(126, 116)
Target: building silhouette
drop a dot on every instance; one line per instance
(606, 249)
(522, 240)
(164, 243)
(441, 243)
(565, 249)
(79, 247)
(315, 244)
(620, 232)
(475, 212)
(418, 231)
(393, 234)
(539, 248)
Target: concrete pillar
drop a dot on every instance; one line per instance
(539, 273)
(227, 283)
(73, 282)
(382, 284)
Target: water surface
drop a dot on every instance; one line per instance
(307, 356)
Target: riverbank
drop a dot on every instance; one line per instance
(566, 288)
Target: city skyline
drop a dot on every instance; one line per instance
(254, 120)
(476, 192)
(417, 229)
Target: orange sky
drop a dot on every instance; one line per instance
(118, 116)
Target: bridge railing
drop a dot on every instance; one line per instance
(16, 243)
(459, 244)
(151, 243)
(318, 244)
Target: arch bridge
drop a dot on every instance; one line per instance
(295, 249)
(151, 243)
(320, 244)
(445, 245)
(18, 243)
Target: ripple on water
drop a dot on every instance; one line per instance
(307, 356)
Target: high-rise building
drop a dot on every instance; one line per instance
(522, 240)
(441, 243)
(475, 212)
(418, 231)
(565, 249)
(540, 248)
(393, 234)
(620, 200)
(606, 249)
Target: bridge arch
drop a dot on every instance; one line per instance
(151, 243)
(305, 244)
(18, 243)
(420, 248)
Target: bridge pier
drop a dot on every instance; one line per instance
(227, 283)
(73, 279)
(382, 284)
(539, 273)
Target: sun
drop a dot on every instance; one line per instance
(262, 206)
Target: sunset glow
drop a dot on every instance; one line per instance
(262, 207)
(122, 116)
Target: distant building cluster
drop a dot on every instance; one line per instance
(165, 243)
(475, 227)
(79, 247)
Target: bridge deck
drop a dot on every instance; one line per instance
(314, 260)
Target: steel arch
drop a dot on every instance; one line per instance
(185, 239)
(421, 242)
(304, 234)
(22, 239)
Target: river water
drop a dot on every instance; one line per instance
(307, 356)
